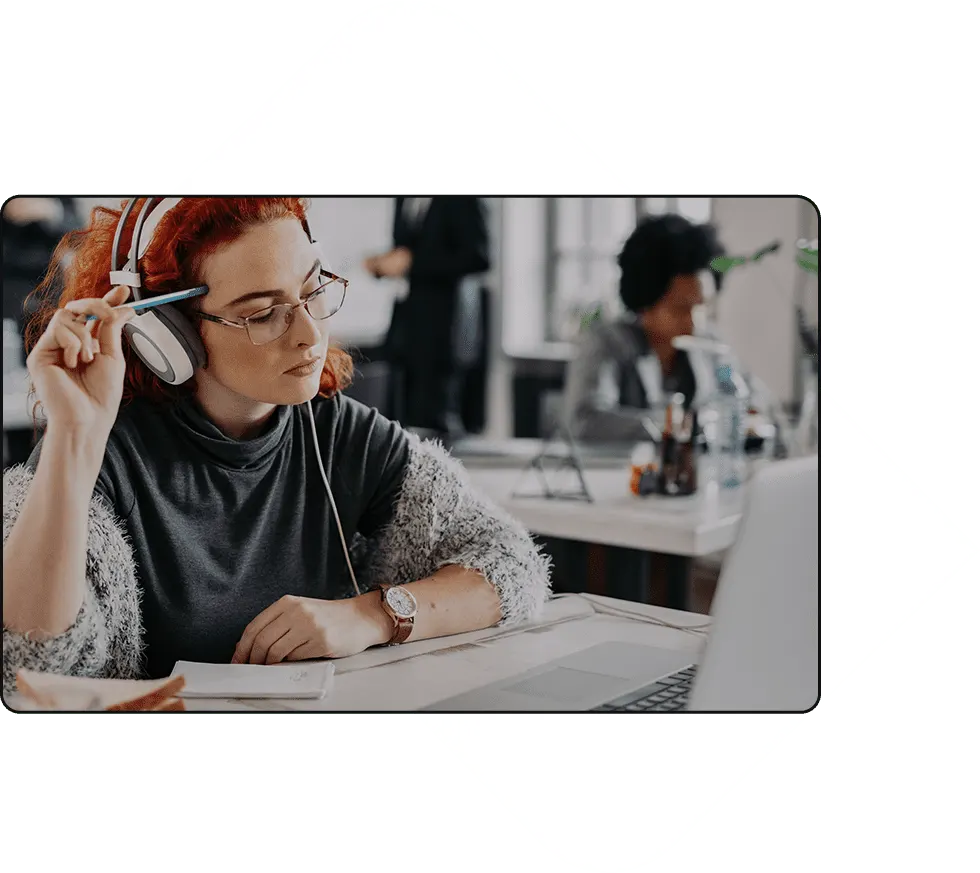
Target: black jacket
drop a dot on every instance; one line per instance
(449, 244)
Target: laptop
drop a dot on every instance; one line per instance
(762, 650)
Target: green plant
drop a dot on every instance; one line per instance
(590, 316)
(725, 263)
(807, 257)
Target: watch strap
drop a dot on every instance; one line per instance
(403, 627)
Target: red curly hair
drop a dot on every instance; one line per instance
(191, 230)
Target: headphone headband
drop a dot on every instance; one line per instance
(145, 234)
(163, 338)
(146, 224)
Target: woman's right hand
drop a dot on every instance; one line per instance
(78, 367)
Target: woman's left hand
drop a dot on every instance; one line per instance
(301, 628)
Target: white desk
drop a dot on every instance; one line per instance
(679, 527)
(687, 526)
(435, 670)
(419, 675)
(483, 453)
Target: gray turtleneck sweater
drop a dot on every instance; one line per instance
(193, 534)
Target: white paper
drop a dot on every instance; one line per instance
(306, 680)
(559, 610)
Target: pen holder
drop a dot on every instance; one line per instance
(668, 468)
(678, 468)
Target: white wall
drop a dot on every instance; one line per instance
(349, 229)
(523, 269)
(756, 309)
(500, 416)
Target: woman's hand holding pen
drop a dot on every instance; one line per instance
(78, 374)
(78, 368)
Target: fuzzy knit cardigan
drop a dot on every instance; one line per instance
(440, 520)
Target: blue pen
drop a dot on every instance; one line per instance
(150, 302)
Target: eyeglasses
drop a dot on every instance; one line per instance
(268, 325)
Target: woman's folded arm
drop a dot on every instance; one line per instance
(441, 520)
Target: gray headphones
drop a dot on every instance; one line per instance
(162, 337)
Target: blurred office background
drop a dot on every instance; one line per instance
(553, 262)
(552, 269)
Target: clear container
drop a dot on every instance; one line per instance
(733, 408)
(710, 464)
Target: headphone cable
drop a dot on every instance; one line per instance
(333, 505)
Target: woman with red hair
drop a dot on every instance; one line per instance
(210, 520)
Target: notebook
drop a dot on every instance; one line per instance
(306, 680)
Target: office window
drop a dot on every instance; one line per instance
(654, 205)
(585, 234)
(584, 237)
(696, 209)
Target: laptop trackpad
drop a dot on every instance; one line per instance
(560, 683)
(578, 681)
(598, 673)
(627, 661)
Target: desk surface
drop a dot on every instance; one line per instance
(485, 453)
(435, 670)
(691, 526)
(419, 675)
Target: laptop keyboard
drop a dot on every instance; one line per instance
(669, 694)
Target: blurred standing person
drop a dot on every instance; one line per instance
(438, 242)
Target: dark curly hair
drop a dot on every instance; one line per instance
(660, 248)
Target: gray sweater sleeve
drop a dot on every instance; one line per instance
(106, 639)
(591, 400)
(440, 519)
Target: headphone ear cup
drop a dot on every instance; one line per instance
(166, 341)
(186, 332)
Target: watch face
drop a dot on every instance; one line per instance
(401, 602)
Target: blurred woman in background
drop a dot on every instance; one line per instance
(626, 367)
